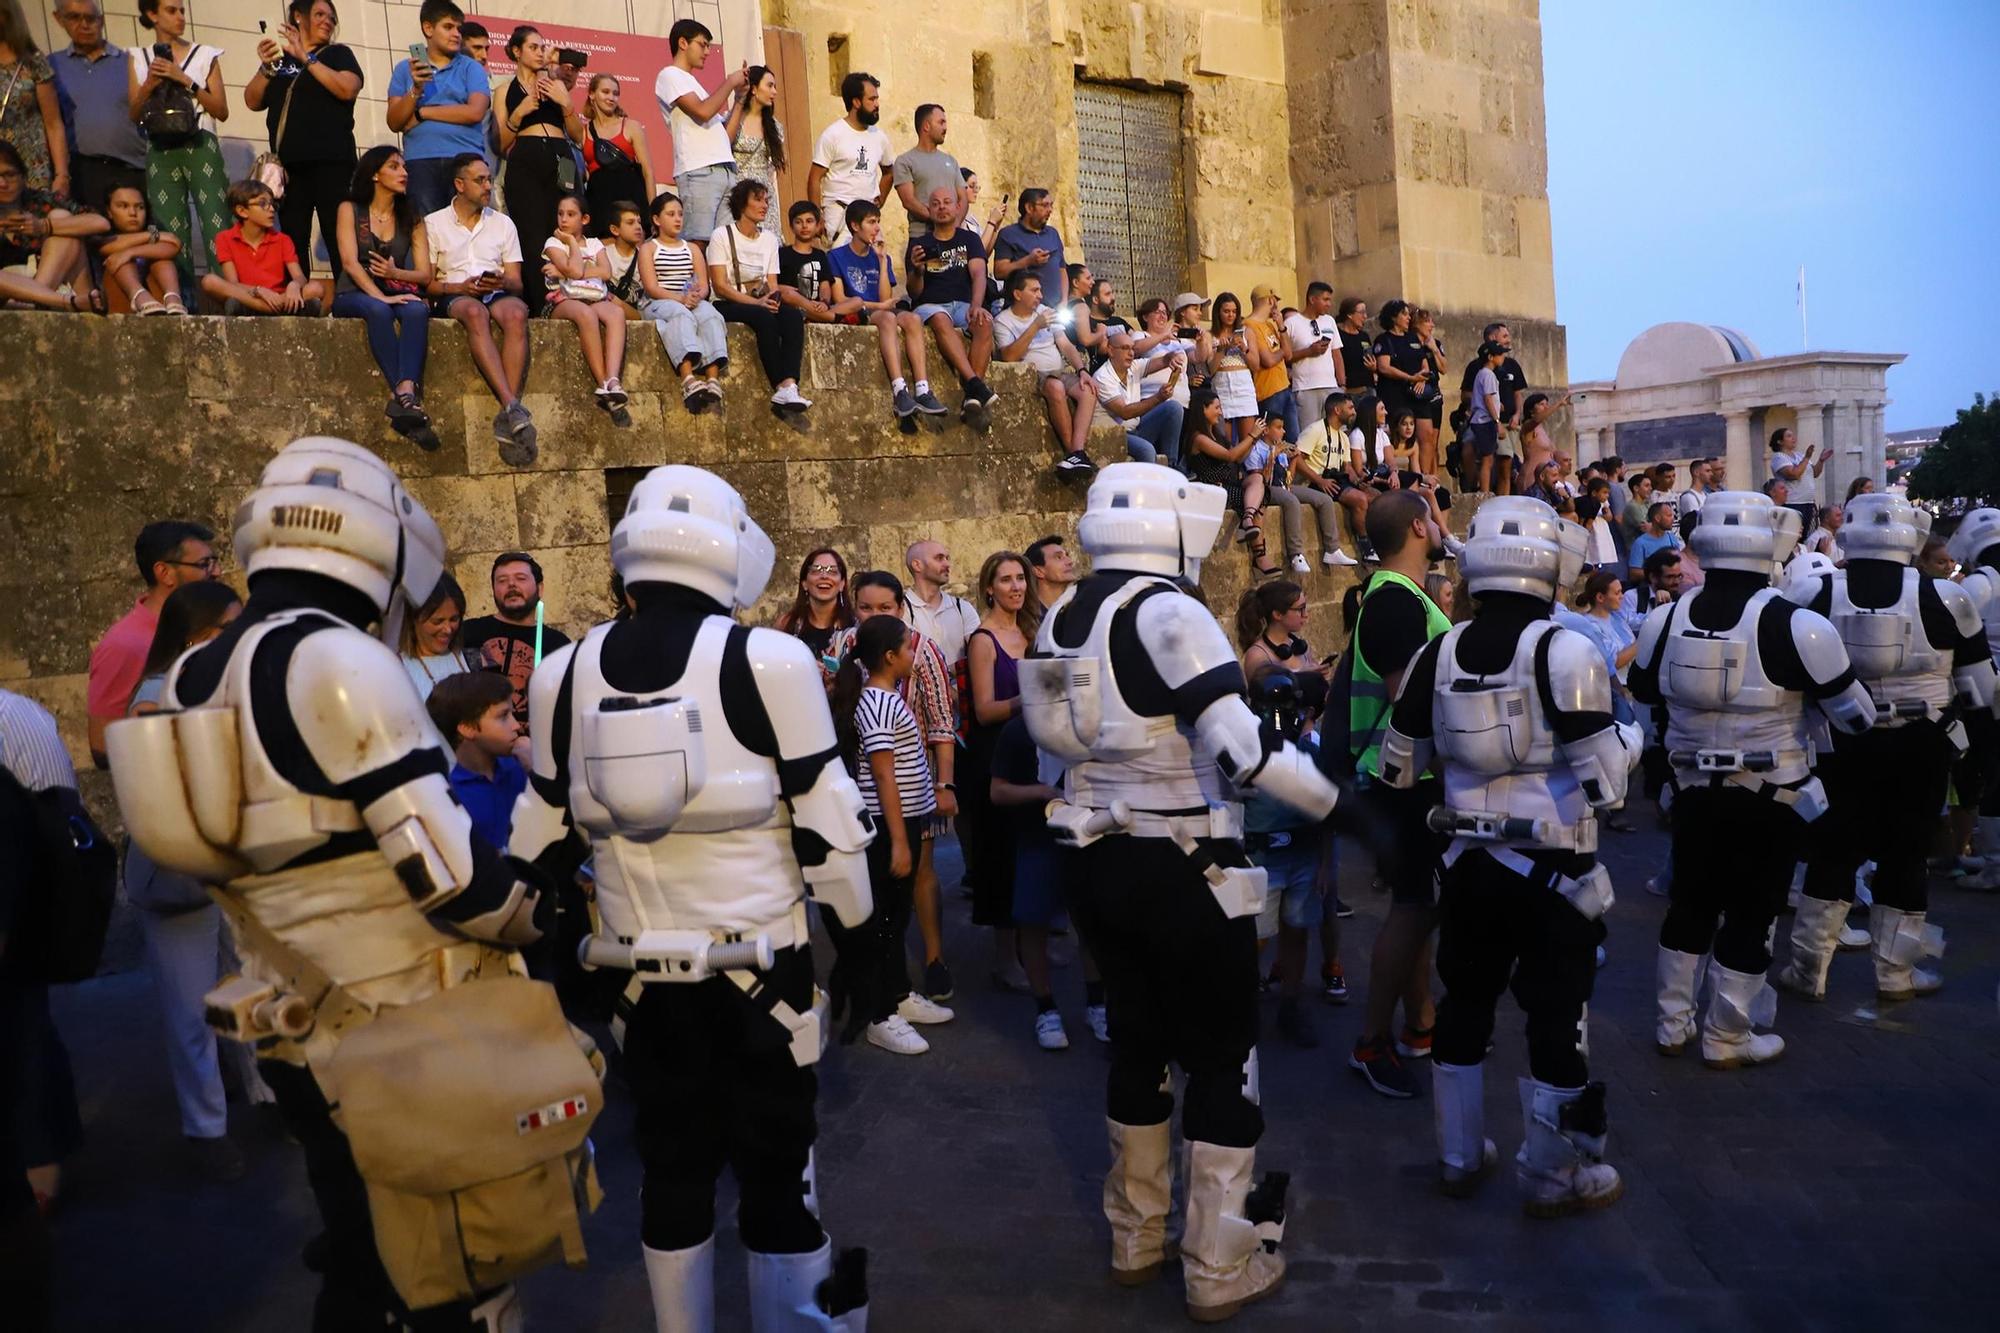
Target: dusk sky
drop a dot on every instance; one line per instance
(1700, 152)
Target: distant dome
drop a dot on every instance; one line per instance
(1675, 353)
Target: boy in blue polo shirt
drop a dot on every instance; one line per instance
(474, 710)
(439, 105)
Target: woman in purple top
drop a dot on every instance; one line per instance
(1007, 626)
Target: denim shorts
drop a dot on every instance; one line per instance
(1293, 894)
(704, 194)
(959, 311)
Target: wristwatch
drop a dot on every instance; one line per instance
(947, 786)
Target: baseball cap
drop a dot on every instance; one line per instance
(1263, 291)
(1186, 299)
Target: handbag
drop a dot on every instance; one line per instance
(171, 115)
(736, 271)
(268, 170)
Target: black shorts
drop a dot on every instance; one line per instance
(1485, 437)
(1392, 825)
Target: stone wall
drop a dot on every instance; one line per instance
(111, 423)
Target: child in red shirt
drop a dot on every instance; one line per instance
(260, 266)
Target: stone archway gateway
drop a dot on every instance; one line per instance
(1686, 391)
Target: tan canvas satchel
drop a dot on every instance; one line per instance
(468, 1114)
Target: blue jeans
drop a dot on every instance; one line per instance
(698, 334)
(399, 336)
(1284, 406)
(430, 186)
(704, 194)
(1157, 432)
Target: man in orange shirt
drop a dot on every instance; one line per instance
(1270, 357)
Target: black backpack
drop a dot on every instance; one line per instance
(72, 871)
(171, 115)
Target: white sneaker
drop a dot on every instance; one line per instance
(789, 396)
(1336, 557)
(1853, 937)
(1049, 1034)
(1299, 565)
(1100, 1022)
(894, 1035)
(916, 1008)
(1657, 886)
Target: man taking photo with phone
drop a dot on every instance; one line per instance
(438, 100)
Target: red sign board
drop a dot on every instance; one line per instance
(636, 61)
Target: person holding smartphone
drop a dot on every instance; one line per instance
(184, 171)
(1314, 359)
(438, 101)
(538, 120)
(306, 86)
(476, 279)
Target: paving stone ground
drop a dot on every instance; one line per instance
(1852, 1185)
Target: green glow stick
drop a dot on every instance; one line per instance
(538, 631)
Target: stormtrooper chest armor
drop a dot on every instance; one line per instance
(684, 820)
(1718, 693)
(1496, 737)
(1890, 650)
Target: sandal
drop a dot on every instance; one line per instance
(1248, 524)
(1261, 566)
(145, 303)
(93, 303)
(173, 303)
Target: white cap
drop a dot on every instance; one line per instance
(1745, 530)
(1518, 544)
(1143, 516)
(688, 527)
(1883, 527)
(1976, 532)
(333, 508)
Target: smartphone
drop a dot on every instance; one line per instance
(1066, 316)
(162, 51)
(573, 58)
(419, 53)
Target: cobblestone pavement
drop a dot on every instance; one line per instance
(1851, 1185)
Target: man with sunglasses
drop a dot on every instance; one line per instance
(168, 553)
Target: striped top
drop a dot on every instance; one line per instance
(32, 750)
(884, 722)
(673, 265)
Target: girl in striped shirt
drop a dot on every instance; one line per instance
(880, 737)
(675, 282)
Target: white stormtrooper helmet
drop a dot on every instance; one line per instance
(1745, 530)
(689, 527)
(1977, 531)
(1811, 565)
(333, 508)
(1516, 544)
(1149, 518)
(1884, 527)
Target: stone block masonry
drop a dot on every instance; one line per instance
(108, 424)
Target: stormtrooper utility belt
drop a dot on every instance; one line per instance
(1806, 799)
(1238, 890)
(1491, 826)
(1589, 893)
(683, 957)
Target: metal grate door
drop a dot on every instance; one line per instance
(1133, 204)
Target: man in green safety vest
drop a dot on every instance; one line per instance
(1396, 620)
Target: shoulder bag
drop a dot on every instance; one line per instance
(171, 115)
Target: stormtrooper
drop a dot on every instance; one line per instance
(698, 757)
(295, 770)
(1518, 712)
(1920, 650)
(1733, 665)
(1132, 686)
(1975, 545)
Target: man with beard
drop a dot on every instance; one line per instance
(852, 159)
(927, 168)
(510, 641)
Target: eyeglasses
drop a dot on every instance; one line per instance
(1300, 608)
(209, 563)
(823, 569)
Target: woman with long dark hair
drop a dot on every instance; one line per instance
(882, 743)
(537, 121)
(614, 151)
(1208, 459)
(433, 638)
(306, 88)
(188, 169)
(1008, 618)
(385, 264)
(1231, 378)
(821, 608)
(180, 926)
(759, 140)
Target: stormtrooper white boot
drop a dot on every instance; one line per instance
(499, 1313)
(1138, 1191)
(1815, 932)
(683, 1283)
(1729, 1039)
(1465, 1155)
(809, 1293)
(1900, 944)
(1678, 976)
(1229, 1254)
(1985, 860)
(1561, 1166)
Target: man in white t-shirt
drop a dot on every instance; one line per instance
(1153, 420)
(1315, 359)
(852, 159)
(704, 161)
(944, 619)
(476, 280)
